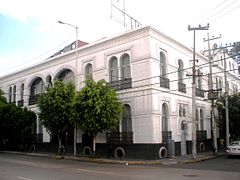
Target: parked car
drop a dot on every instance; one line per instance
(233, 149)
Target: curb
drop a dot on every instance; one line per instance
(112, 161)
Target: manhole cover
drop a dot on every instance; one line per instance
(190, 175)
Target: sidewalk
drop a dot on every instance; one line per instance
(167, 161)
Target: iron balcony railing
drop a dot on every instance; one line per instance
(200, 92)
(201, 135)
(182, 87)
(164, 82)
(121, 84)
(120, 138)
(20, 103)
(33, 99)
(38, 137)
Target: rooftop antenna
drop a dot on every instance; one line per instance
(133, 21)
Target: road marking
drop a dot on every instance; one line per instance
(98, 172)
(23, 178)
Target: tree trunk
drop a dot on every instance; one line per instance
(59, 145)
(94, 145)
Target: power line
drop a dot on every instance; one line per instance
(220, 11)
(210, 10)
(32, 59)
(225, 13)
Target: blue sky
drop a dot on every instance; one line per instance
(29, 31)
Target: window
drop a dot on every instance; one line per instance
(197, 120)
(10, 94)
(88, 71)
(165, 117)
(49, 81)
(113, 68)
(22, 91)
(66, 76)
(14, 93)
(37, 87)
(163, 68)
(125, 67)
(180, 111)
(127, 119)
(201, 120)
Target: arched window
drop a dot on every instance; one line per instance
(197, 120)
(14, 93)
(163, 68)
(184, 112)
(180, 111)
(37, 87)
(201, 120)
(66, 76)
(10, 94)
(113, 69)
(180, 71)
(125, 67)
(165, 115)
(127, 119)
(217, 85)
(49, 81)
(21, 91)
(88, 71)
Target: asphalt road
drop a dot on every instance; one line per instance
(19, 167)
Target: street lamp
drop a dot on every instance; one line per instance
(76, 46)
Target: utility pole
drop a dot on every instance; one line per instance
(226, 99)
(212, 97)
(194, 142)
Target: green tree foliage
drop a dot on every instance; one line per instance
(234, 116)
(97, 109)
(55, 109)
(16, 126)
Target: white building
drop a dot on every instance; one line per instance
(149, 71)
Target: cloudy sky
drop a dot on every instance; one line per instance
(30, 32)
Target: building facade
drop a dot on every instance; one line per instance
(152, 75)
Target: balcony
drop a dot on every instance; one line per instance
(200, 92)
(166, 135)
(121, 84)
(38, 137)
(201, 135)
(120, 137)
(213, 95)
(182, 87)
(33, 99)
(164, 82)
(20, 103)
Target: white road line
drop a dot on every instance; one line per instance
(23, 178)
(98, 172)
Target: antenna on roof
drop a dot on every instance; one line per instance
(115, 7)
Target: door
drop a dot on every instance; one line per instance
(183, 138)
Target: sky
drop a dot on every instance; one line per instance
(30, 32)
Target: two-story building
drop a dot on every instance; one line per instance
(152, 75)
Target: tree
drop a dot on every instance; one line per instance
(16, 125)
(234, 116)
(55, 109)
(97, 109)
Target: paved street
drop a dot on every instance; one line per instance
(19, 167)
